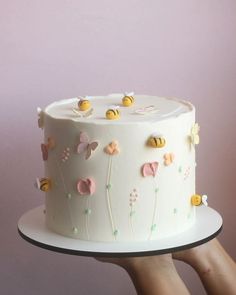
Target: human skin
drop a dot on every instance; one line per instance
(216, 269)
(157, 274)
(152, 275)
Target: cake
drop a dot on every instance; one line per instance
(119, 168)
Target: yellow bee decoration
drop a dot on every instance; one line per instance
(197, 200)
(113, 113)
(128, 99)
(84, 104)
(44, 184)
(156, 141)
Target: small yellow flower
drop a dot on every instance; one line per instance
(194, 136)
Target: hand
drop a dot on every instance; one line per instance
(215, 267)
(151, 275)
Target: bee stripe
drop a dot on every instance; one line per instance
(130, 98)
(113, 111)
(82, 101)
(156, 142)
(44, 183)
(161, 140)
(43, 186)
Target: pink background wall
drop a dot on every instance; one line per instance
(59, 49)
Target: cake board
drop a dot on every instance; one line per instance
(32, 228)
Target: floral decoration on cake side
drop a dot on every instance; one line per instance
(85, 146)
(194, 135)
(168, 159)
(40, 118)
(112, 149)
(150, 169)
(86, 186)
(45, 147)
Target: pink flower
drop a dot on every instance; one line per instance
(86, 186)
(149, 169)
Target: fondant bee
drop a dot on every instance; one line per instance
(156, 141)
(197, 200)
(128, 99)
(113, 113)
(44, 184)
(84, 104)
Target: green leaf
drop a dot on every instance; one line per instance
(153, 227)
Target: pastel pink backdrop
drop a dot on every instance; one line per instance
(59, 49)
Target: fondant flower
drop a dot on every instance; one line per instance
(149, 169)
(51, 143)
(44, 150)
(65, 154)
(133, 197)
(112, 148)
(85, 146)
(194, 136)
(86, 186)
(46, 147)
(187, 172)
(168, 158)
(40, 118)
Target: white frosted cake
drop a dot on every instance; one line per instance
(119, 170)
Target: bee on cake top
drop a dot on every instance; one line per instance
(84, 104)
(128, 99)
(84, 108)
(113, 113)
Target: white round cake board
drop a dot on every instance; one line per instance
(32, 228)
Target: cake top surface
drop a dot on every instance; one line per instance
(145, 108)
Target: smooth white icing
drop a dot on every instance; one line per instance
(166, 108)
(162, 206)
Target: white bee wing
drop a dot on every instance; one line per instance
(204, 200)
(37, 183)
(39, 110)
(157, 135)
(114, 107)
(129, 93)
(80, 97)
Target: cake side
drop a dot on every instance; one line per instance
(107, 183)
